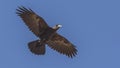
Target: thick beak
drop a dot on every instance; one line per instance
(57, 27)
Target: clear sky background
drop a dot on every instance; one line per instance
(92, 25)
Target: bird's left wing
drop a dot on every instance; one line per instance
(35, 23)
(62, 45)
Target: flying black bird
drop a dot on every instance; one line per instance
(47, 35)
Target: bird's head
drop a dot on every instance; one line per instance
(56, 27)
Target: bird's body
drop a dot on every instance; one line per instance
(47, 35)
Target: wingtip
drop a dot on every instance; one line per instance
(73, 53)
(21, 9)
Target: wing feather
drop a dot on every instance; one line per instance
(62, 45)
(34, 22)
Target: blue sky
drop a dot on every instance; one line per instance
(92, 25)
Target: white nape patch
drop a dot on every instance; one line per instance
(59, 25)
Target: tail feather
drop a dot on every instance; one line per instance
(37, 48)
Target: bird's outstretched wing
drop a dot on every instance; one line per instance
(62, 45)
(35, 23)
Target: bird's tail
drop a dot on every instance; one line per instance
(37, 47)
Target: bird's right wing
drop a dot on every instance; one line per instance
(62, 45)
(35, 23)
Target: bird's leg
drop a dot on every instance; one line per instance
(41, 41)
(38, 39)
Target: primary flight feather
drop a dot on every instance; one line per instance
(47, 35)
